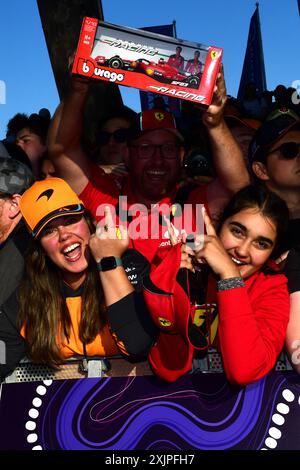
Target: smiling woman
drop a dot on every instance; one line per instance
(75, 297)
(243, 296)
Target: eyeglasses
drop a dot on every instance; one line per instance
(120, 136)
(168, 151)
(288, 150)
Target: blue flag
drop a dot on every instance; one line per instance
(254, 65)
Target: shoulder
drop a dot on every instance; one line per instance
(261, 283)
(9, 309)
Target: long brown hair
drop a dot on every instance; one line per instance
(43, 312)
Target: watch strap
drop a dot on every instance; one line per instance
(118, 262)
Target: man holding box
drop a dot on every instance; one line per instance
(154, 158)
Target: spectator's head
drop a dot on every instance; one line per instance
(243, 130)
(15, 178)
(274, 152)
(111, 138)
(47, 169)
(178, 50)
(30, 133)
(252, 227)
(196, 55)
(155, 155)
(281, 96)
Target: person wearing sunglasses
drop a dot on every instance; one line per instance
(274, 155)
(111, 140)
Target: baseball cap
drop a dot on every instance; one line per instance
(169, 306)
(15, 176)
(152, 119)
(233, 120)
(277, 124)
(47, 200)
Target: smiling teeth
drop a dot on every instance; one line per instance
(236, 261)
(71, 247)
(156, 172)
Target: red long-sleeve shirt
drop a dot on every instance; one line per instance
(252, 323)
(252, 326)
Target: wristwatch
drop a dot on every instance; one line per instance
(108, 263)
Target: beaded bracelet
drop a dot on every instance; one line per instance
(231, 283)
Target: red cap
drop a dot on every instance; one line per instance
(169, 306)
(152, 119)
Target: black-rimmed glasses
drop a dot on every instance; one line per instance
(167, 151)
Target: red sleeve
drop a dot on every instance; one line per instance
(101, 189)
(252, 327)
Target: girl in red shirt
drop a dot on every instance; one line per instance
(252, 301)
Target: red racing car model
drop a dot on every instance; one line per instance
(163, 72)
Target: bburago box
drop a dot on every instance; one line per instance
(148, 61)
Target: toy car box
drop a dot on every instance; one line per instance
(148, 61)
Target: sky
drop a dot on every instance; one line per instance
(26, 79)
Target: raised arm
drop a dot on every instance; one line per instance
(229, 163)
(64, 137)
(129, 321)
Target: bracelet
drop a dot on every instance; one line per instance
(231, 283)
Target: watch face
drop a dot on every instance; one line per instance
(108, 263)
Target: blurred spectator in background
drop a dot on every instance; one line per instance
(253, 106)
(274, 155)
(243, 130)
(30, 133)
(47, 169)
(15, 178)
(111, 140)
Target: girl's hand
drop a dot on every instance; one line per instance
(186, 253)
(210, 250)
(108, 240)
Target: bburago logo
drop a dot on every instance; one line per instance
(296, 94)
(2, 352)
(87, 68)
(2, 92)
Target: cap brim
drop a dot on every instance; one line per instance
(136, 133)
(171, 357)
(71, 210)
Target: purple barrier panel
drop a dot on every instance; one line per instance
(143, 413)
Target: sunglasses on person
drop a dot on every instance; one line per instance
(120, 136)
(288, 150)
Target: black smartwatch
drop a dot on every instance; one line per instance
(108, 263)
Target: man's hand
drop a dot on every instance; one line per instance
(213, 116)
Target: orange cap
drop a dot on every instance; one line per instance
(46, 200)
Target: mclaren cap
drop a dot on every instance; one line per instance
(47, 200)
